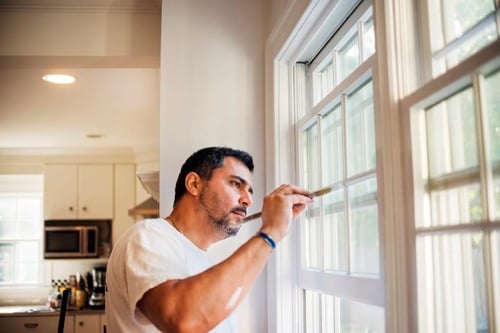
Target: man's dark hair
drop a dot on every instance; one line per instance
(204, 161)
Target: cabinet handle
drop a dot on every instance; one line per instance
(70, 208)
(81, 323)
(84, 208)
(31, 325)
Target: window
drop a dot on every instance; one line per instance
(339, 237)
(21, 201)
(457, 230)
(460, 28)
(399, 112)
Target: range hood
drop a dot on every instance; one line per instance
(150, 207)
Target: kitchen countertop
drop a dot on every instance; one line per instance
(41, 310)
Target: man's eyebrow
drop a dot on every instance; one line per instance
(244, 182)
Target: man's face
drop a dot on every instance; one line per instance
(227, 195)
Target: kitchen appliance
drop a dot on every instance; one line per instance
(70, 241)
(97, 297)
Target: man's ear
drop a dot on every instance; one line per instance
(193, 183)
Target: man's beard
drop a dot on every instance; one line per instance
(222, 223)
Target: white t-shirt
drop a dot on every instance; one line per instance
(148, 254)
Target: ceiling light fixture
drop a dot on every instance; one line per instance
(59, 78)
(94, 136)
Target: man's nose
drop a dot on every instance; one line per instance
(246, 199)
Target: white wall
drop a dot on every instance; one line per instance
(212, 93)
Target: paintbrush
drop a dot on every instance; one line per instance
(314, 194)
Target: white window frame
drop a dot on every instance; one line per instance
(397, 77)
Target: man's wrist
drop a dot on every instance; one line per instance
(268, 239)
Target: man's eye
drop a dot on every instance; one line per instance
(236, 184)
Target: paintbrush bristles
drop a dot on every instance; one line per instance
(314, 194)
(320, 192)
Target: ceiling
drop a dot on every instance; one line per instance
(112, 48)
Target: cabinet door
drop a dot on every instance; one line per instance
(60, 192)
(87, 323)
(34, 324)
(103, 323)
(95, 191)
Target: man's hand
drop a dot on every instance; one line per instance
(280, 207)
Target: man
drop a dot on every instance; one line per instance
(159, 276)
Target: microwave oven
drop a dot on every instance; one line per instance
(71, 241)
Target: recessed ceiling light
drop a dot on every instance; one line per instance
(94, 136)
(59, 78)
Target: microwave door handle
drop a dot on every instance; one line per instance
(83, 242)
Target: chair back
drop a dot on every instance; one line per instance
(64, 308)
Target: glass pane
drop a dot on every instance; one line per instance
(452, 142)
(361, 318)
(368, 39)
(452, 294)
(457, 205)
(30, 208)
(310, 156)
(312, 312)
(26, 251)
(335, 231)
(361, 155)
(461, 15)
(311, 236)
(482, 38)
(332, 146)
(364, 227)
(492, 109)
(8, 208)
(325, 81)
(495, 251)
(348, 57)
(329, 313)
(6, 262)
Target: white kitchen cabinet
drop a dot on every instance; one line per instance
(36, 324)
(78, 191)
(87, 323)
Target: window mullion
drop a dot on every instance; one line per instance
(487, 190)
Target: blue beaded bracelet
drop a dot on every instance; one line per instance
(267, 238)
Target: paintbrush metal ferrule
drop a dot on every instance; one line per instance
(314, 194)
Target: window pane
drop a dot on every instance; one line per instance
(335, 231)
(368, 39)
(8, 211)
(310, 157)
(452, 142)
(452, 294)
(312, 312)
(348, 57)
(360, 130)
(482, 38)
(6, 262)
(495, 252)
(461, 15)
(456, 205)
(364, 227)
(332, 146)
(330, 313)
(360, 318)
(311, 237)
(492, 109)
(324, 81)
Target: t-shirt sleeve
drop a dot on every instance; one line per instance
(152, 257)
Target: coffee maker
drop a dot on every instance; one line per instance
(97, 300)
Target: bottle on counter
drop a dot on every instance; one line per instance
(73, 285)
(81, 294)
(51, 299)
